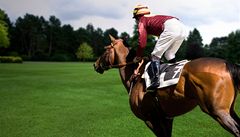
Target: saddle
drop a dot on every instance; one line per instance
(169, 73)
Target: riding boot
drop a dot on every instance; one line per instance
(154, 69)
(172, 60)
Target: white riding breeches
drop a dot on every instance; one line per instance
(170, 39)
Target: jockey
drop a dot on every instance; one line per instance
(171, 34)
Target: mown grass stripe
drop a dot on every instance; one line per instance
(42, 99)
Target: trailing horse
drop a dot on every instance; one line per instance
(210, 83)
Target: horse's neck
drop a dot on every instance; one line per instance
(126, 73)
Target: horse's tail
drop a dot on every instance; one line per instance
(234, 70)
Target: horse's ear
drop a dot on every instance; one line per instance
(112, 38)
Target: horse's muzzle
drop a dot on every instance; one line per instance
(97, 68)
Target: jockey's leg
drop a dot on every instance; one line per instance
(170, 39)
(172, 60)
(172, 50)
(154, 71)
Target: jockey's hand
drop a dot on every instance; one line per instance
(140, 62)
(137, 59)
(136, 72)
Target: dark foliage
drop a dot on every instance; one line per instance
(39, 39)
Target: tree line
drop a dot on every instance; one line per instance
(38, 39)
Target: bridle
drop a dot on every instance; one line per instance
(108, 60)
(110, 47)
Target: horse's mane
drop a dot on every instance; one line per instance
(131, 54)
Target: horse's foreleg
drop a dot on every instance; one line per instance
(155, 118)
(161, 127)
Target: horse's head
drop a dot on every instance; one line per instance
(115, 53)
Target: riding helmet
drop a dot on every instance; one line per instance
(140, 10)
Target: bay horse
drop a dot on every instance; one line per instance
(210, 83)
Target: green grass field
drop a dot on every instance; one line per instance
(72, 100)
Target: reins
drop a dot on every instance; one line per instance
(120, 65)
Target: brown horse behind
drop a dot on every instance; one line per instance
(211, 83)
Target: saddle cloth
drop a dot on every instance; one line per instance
(169, 73)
